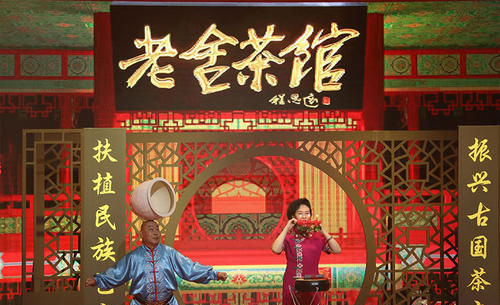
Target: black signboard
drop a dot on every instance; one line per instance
(238, 56)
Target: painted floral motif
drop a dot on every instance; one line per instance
(239, 279)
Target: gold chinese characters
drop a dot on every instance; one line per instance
(479, 152)
(209, 47)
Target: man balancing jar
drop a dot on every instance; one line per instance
(152, 268)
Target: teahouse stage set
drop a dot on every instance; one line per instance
(236, 111)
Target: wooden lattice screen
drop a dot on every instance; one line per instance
(400, 184)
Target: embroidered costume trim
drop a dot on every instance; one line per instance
(298, 250)
(155, 291)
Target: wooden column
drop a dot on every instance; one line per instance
(373, 99)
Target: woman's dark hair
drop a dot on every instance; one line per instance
(295, 205)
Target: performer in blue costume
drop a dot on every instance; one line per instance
(152, 268)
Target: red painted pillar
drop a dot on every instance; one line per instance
(413, 124)
(373, 99)
(66, 107)
(104, 91)
(413, 112)
(373, 93)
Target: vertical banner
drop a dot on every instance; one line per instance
(478, 205)
(103, 204)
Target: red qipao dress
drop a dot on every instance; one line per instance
(302, 258)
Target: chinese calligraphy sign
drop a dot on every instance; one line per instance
(478, 199)
(103, 207)
(238, 58)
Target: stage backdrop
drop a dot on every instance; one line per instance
(235, 57)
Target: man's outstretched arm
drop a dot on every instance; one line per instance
(194, 271)
(112, 277)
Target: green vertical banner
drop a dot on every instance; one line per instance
(478, 205)
(103, 204)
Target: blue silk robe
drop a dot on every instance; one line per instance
(153, 273)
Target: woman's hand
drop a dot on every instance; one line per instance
(333, 245)
(290, 224)
(324, 232)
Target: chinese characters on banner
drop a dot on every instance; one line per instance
(478, 205)
(103, 208)
(238, 58)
